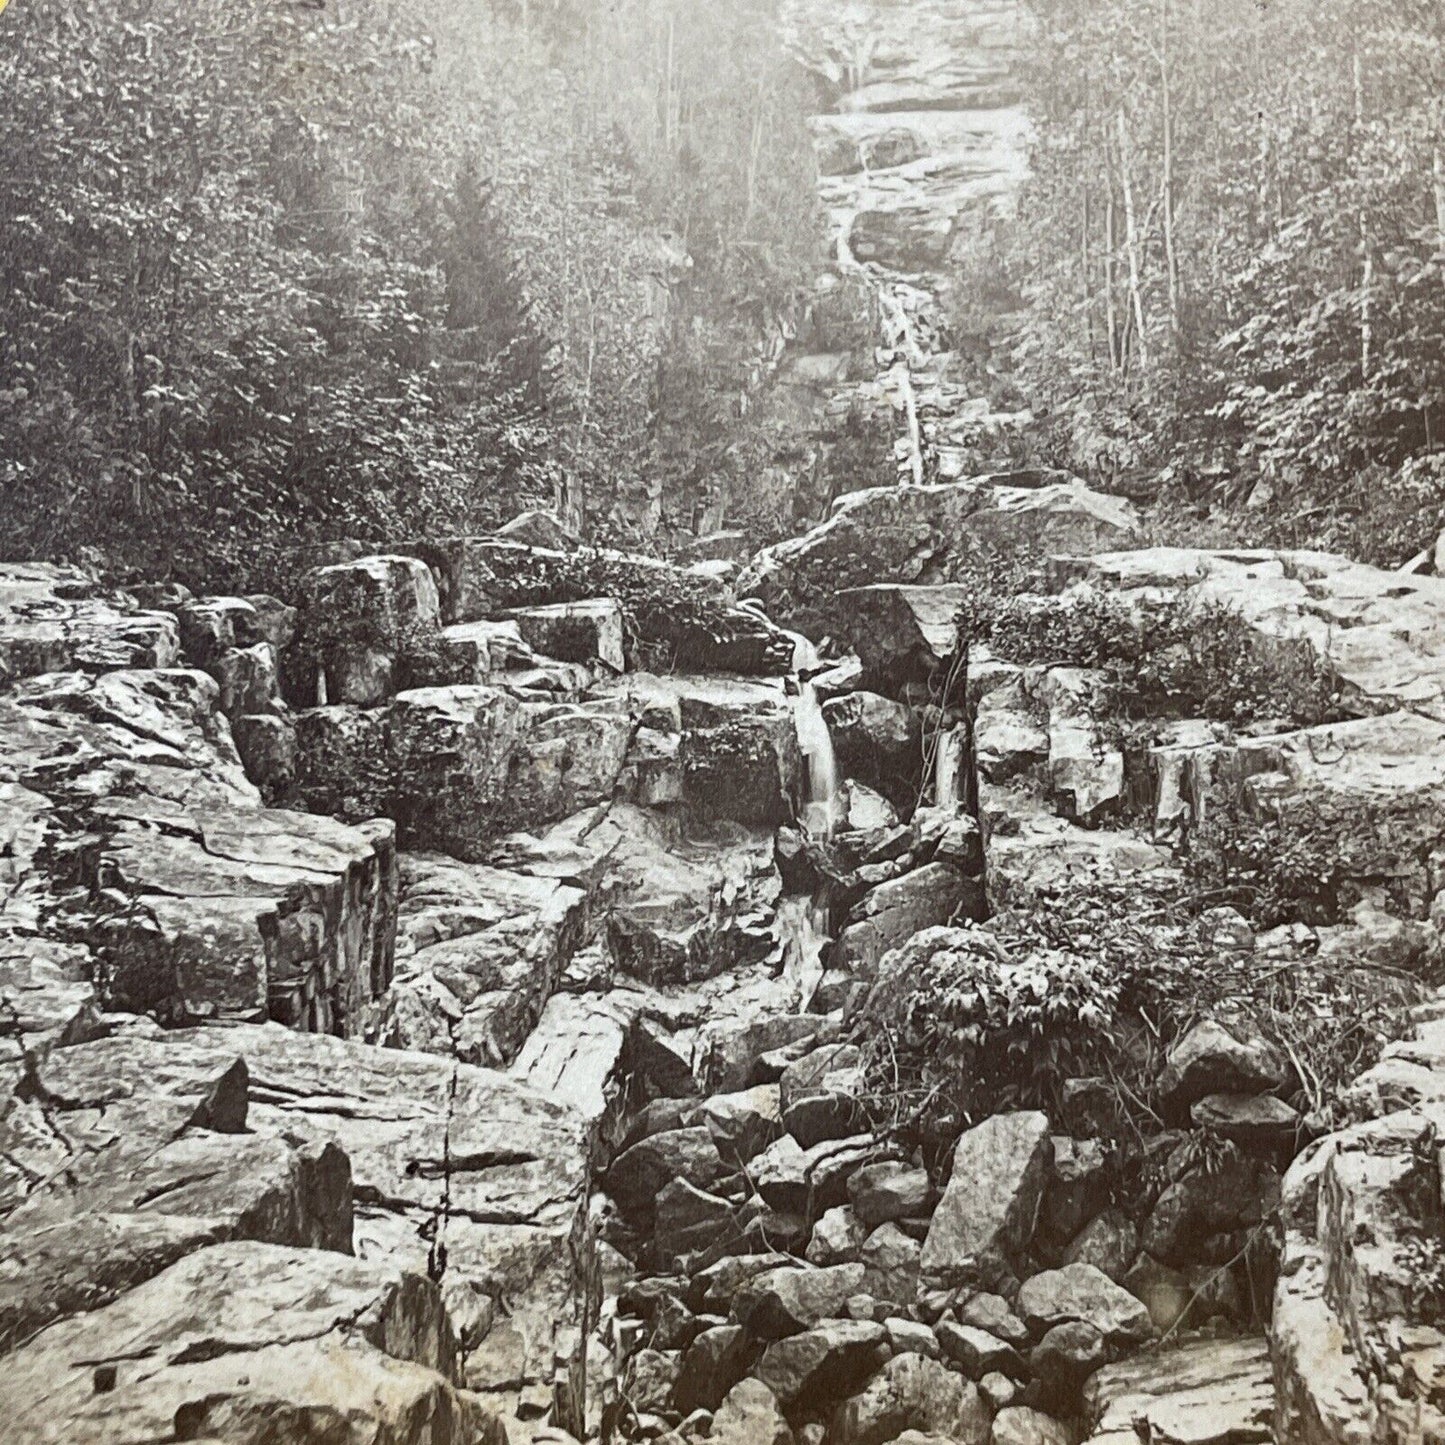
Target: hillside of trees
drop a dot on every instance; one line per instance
(1227, 275)
(277, 273)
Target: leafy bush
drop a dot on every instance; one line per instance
(1171, 657)
(1002, 1015)
(1305, 864)
(670, 619)
(1094, 982)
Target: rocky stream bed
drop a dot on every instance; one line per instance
(485, 1050)
(434, 1011)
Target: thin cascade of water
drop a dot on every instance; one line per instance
(802, 934)
(948, 768)
(822, 799)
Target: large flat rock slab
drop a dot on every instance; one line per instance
(926, 535)
(1204, 1392)
(247, 1342)
(1378, 781)
(681, 902)
(107, 1186)
(1382, 633)
(455, 1170)
(54, 619)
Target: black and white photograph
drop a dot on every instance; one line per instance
(722, 722)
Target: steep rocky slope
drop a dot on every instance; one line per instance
(244, 1040)
(474, 1002)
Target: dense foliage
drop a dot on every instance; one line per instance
(1229, 260)
(1161, 657)
(670, 618)
(271, 273)
(1304, 864)
(1092, 983)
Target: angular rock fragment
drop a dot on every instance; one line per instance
(1215, 1057)
(639, 1174)
(749, 1415)
(825, 1363)
(785, 1302)
(715, 1361)
(976, 1352)
(882, 1193)
(1081, 1292)
(986, 1217)
(912, 1392)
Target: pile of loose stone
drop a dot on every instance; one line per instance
(804, 1274)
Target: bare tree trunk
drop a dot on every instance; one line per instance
(1110, 252)
(1170, 255)
(755, 153)
(1367, 278)
(1111, 312)
(1367, 272)
(1086, 268)
(1131, 239)
(1438, 169)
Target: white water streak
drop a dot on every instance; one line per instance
(822, 800)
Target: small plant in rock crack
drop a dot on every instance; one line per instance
(1420, 1260)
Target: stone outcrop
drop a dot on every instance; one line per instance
(251, 1341)
(397, 1156)
(986, 1217)
(57, 619)
(480, 951)
(1209, 1391)
(1380, 632)
(922, 535)
(196, 901)
(1357, 1344)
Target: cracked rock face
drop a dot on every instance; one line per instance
(923, 535)
(56, 619)
(248, 1341)
(138, 837)
(480, 951)
(119, 1163)
(127, 1162)
(609, 1127)
(1356, 1338)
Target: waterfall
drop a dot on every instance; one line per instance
(947, 768)
(822, 801)
(802, 932)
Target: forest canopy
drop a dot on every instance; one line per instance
(1230, 259)
(277, 273)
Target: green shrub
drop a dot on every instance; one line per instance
(1307, 864)
(670, 619)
